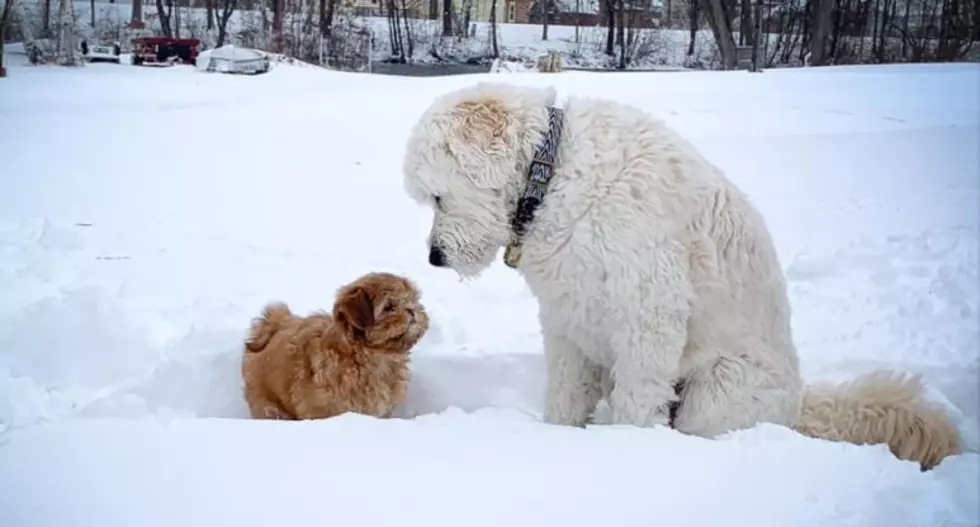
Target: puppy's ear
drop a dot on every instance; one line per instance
(354, 311)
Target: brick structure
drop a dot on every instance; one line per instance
(517, 11)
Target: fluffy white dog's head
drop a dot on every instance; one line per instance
(466, 158)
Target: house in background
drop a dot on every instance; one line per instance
(418, 9)
(431, 9)
(640, 13)
(480, 10)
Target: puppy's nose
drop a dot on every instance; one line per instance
(436, 257)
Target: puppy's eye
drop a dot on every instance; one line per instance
(438, 200)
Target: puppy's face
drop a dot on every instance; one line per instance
(463, 159)
(381, 311)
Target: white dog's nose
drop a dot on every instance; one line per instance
(436, 257)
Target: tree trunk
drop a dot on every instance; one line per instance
(695, 14)
(975, 34)
(137, 13)
(837, 25)
(745, 23)
(278, 6)
(467, 16)
(91, 7)
(493, 28)
(669, 18)
(227, 8)
(578, 19)
(905, 29)
(328, 23)
(176, 17)
(394, 33)
(8, 8)
(447, 18)
(210, 14)
(620, 33)
(46, 18)
(610, 28)
(409, 41)
(721, 28)
(545, 15)
(820, 18)
(758, 55)
(67, 50)
(323, 17)
(164, 20)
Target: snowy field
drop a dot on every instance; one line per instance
(147, 214)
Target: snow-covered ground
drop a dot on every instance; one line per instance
(147, 214)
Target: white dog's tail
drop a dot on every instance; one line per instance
(881, 407)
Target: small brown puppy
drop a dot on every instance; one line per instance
(320, 366)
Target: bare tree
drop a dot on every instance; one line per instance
(327, 11)
(46, 18)
(5, 16)
(620, 32)
(447, 18)
(164, 16)
(545, 17)
(136, 16)
(467, 15)
(278, 13)
(409, 39)
(542, 12)
(174, 8)
(394, 31)
(68, 54)
(610, 27)
(227, 9)
(209, 4)
(820, 26)
(493, 29)
(91, 7)
(695, 16)
(716, 12)
(578, 18)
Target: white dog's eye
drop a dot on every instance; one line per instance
(438, 201)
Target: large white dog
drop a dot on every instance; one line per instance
(657, 280)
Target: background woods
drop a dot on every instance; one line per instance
(593, 34)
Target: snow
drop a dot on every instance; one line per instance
(146, 214)
(232, 59)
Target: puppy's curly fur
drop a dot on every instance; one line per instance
(321, 366)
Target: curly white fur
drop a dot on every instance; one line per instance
(649, 266)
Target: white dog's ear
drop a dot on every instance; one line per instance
(484, 139)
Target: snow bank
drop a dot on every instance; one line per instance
(129, 278)
(489, 468)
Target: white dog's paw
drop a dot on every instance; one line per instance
(567, 409)
(639, 408)
(641, 418)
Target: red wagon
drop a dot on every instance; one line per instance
(164, 51)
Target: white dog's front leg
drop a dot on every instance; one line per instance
(573, 385)
(648, 345)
